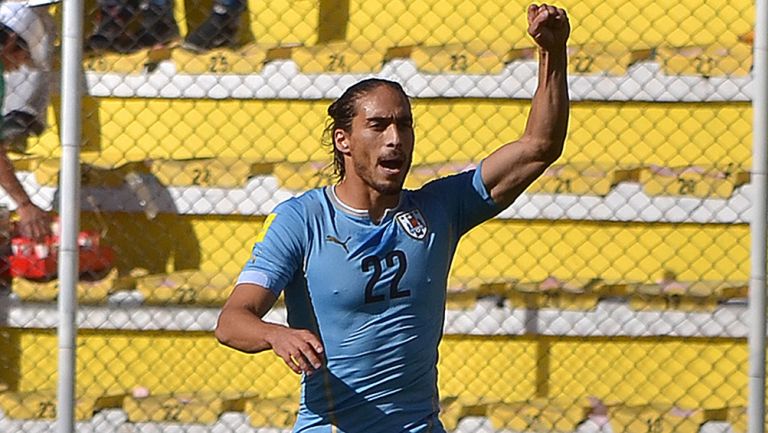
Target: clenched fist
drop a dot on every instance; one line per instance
(548, 26)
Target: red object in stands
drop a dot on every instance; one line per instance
(40, 261)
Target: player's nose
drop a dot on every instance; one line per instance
(393, 136)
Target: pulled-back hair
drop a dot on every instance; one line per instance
(341, 112)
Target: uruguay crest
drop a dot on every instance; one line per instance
(413, 223)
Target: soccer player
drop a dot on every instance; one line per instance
(364, 263)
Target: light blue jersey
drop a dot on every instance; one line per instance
(375, 296)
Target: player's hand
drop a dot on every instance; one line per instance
(548, 26)
(34, 223)
(301, 350)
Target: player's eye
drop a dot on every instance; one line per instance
(379, 125)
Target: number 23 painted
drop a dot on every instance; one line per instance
(374, 263)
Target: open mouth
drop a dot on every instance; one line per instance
(391, 165)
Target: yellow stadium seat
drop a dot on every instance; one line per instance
(737, 418)
(46, 171)
(460, 299)
(696, 181)
(610, 58)
(733, 290)
(42, 404)
(580, 178)
(687, 295)
(183, 407)
(655, 418)
(303, 176)
(278, 412)
(88, 292)
(208, 172)
(538, 414)
(713, 60)
(186, 287)
(131, 63)
(466, 58)
(339, 57)
(466, 295)
(453, 409)
(248, 59)
(577, 294)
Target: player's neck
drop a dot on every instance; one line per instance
(359, 195)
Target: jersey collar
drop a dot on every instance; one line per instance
(330, 192)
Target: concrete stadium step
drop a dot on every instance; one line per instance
(191, 287)
(659, 418)
(219, 172)
(133, 63)
(710, 60)
(275, 412)
(42, 404)
(613, 58)
(339, 57)
(183, 407)
(737, 418)
(585, 294)
(716, 180)
(211, 289)
(472, 57)
(537, 414)
(94, 290)
(248, 59)
(198, 409)
(581, 178)
(686, 296)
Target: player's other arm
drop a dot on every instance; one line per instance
(514, 166)
(240, 326)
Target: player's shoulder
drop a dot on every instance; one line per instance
(302, 205)
(446, 184)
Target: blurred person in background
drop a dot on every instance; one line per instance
(124, 26)
(127, 25)
(24, 40)
(364, 263)
(25, 108)
(220, 29)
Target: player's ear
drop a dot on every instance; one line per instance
(341, 141)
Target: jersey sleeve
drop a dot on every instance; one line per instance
(278, 252)
(466, 198)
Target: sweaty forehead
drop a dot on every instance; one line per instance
(383, 101)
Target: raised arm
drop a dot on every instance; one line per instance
(514, 166)
(241, 327)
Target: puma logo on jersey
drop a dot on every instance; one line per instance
(335, 240)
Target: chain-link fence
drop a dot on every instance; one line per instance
(611, 296)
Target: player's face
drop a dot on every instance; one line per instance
(381, 141)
